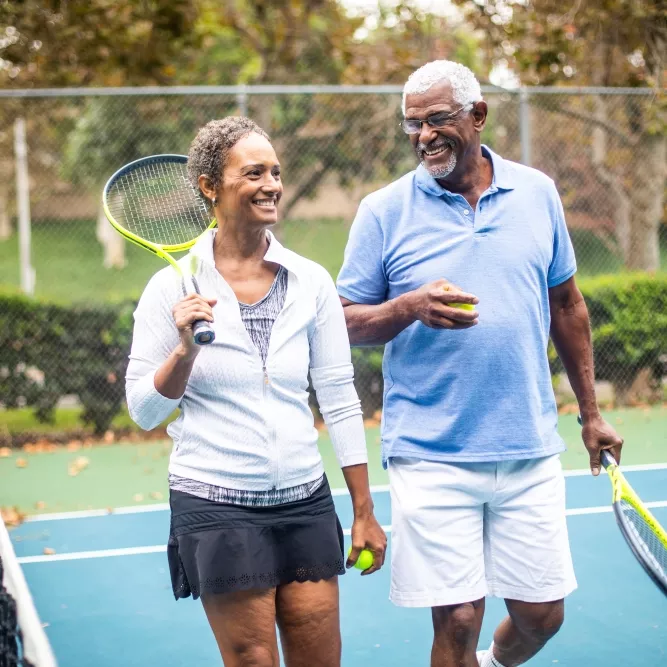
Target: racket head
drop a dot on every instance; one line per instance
(151, 202)
(642, 532)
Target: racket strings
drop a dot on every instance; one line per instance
(156, 202)
(646, 539)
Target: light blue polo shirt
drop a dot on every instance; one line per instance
(478, 394)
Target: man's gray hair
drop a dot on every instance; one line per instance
(464, 83)
(209, 152)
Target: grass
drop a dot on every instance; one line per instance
(21, 420)
(68, 259)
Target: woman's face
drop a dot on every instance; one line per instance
(251, 187)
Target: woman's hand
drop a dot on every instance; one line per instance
(186, 312)
(368, 534)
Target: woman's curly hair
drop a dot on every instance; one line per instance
(209, 151)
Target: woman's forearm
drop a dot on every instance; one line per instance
(356, 478)
(172, 377)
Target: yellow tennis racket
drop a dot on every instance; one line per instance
(151, 203)
(645, 536)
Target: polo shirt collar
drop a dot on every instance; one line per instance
(502, 176)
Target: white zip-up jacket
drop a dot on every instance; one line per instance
(243, 425)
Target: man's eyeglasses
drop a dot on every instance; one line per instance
(437, 120)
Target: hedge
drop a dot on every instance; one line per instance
(50, 350)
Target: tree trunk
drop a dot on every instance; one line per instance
(613, 184)
(112, 242)
(6, 168)
(647, 196)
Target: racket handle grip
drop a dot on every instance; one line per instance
(203, 333)
(607, 459)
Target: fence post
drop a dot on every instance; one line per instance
(23, 207)
(524, 127)
(242, 101)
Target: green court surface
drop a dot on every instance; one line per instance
(121, 475)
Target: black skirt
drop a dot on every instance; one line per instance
(218, 548)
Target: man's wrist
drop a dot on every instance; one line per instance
(589, 412)
(405, 307)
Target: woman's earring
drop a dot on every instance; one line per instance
(214, 201)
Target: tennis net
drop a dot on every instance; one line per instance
(23, 642)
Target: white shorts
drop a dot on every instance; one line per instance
(463, 531)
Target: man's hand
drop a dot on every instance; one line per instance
(597, 435)
(429, 304)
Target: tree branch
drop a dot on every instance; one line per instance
(587, 118)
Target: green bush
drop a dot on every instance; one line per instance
(48, 351)
(629, 325)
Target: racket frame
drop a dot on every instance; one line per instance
(621, 490)
(202, 331)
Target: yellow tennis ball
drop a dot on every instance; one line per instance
(365, 559)
(462, 306)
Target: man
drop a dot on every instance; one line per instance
(469, 424)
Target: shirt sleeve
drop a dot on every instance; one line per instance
(153, 339)
(563, 262)
(362, 278)
(332, 375)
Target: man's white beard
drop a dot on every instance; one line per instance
(442, 171)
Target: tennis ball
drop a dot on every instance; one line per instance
(365, 559)
(461, 306)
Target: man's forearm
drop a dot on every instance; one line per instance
(571, 334)
(377, 325)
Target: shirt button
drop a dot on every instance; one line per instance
(466, 211)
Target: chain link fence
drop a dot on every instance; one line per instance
(603, 147)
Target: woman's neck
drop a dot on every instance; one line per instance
(240, 245)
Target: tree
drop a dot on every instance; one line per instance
(598, 43)
(95, 42)
(318, 42)
(53, 43)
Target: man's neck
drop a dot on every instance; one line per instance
(474, 176)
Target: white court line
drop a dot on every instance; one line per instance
(641, 467)
(84, 555)
(135, 551)
(85, 514)
(379, 488)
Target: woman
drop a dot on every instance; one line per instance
(253, 526)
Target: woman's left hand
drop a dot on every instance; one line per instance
(368, 534)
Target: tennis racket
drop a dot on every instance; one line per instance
(646, 538)
(151, 203)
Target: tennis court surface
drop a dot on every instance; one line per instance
(105, 595)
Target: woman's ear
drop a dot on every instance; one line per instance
(206, 187)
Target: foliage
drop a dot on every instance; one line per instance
(48, 351)
(599, 42)
(629, 324)
(95, 42)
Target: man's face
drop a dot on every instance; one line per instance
(441, 149)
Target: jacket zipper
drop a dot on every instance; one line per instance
(266, 385)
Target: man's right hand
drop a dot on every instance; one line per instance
(430, 306)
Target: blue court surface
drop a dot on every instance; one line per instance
(105, 594)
